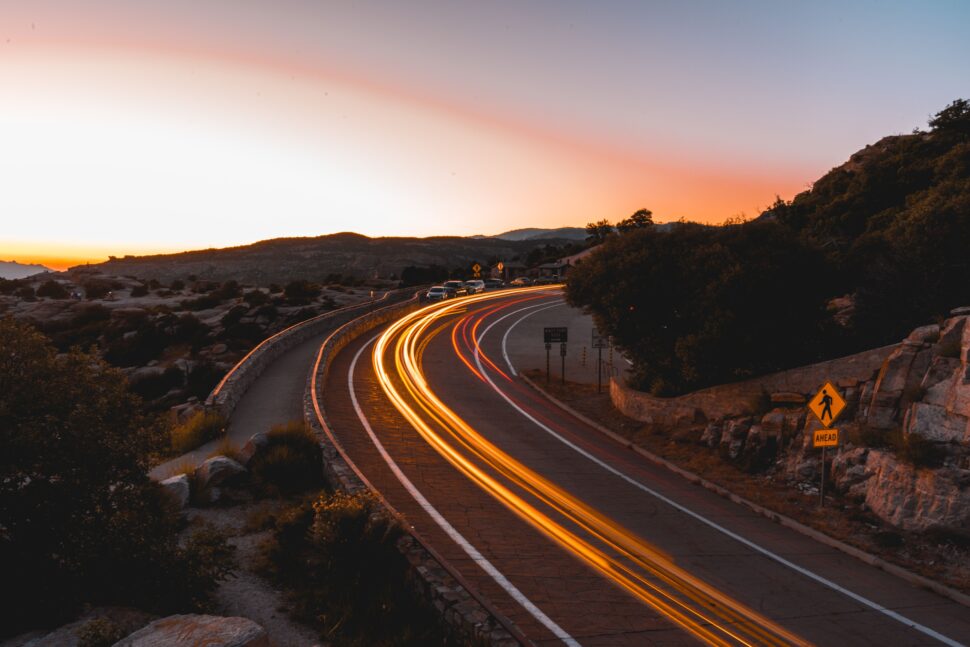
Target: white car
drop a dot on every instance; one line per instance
(475, 285)
(439, 293)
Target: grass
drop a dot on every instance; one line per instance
(228, 449)
(291, 461)
(202, 427)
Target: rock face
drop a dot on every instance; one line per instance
(192, 630)
(216, 474)
(253, 445)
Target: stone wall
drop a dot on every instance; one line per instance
(470, 617)
(747, 397)
(233, 386)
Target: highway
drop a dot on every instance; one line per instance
(570, 535)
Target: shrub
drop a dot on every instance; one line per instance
(290, 462)
(100, 632)
(139, 291)
(26, 293)
(155, 386)
(52, 289)
(255, 298)
(204, 302)
(177, 285)
(917, 450)
(301, 292)
(82, 522)
(348, 577)
(202, 427)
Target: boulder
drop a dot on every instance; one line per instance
(191, 630)
(179, 488)
(889, 387)
(952, 333)
(712, 434)
(146, 372)
(789, 398)
(848, 471)
(219, 349)
(255, 443)
(925, 334)
(918, 500)
(938, 380)
(218, 471)
(935, 423)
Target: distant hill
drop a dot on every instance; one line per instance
(15, 270)
(562, 233)
(283, 259)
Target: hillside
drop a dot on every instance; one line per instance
(15, 270)
(563, 233)
(283, 259)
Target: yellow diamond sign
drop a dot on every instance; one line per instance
(827, 404)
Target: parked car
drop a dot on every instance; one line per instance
(547, 280)
(522, 281)
(494, 284)
(475, 285)
(438, 293)
(458, 287)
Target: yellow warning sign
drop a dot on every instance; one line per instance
(827, 404)
(476, 268)
(500, 266)
(826, 438)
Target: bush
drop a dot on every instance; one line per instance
(290, 462)
(917, 451)
(348, 578)
(100, 632)
(301, 292)
(204, 302)
(81, 521)
(26, 293)
(155, 386)
(202, 427)
(139, 291)
(255, 298)
(52, 289)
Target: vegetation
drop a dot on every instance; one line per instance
(81, 521)
(52, 289)
(199, 429)
(694, 306)
(301, 292)
(347, 576)
(290, 462)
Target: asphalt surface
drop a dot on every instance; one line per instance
(817, 593)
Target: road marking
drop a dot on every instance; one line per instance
(506, 335)
(450, 530)
(747, 542)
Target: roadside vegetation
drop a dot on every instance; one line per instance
(200, 428)
(80, 521)
(887, 233)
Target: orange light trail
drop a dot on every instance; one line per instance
(640, 568)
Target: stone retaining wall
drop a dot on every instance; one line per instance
(470, 617)
(240, 377)
(745, 398)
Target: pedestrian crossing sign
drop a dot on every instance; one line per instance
(827, 404)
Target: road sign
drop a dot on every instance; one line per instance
(557, 335)
(827, 404)
(826, 438)
(599, 341)
(476, 268)
(500, 266)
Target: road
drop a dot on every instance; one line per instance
(572, 537)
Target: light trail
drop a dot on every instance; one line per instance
(625, 559)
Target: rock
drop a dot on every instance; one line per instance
(935, 423)
(962, 310)
(938, 380)
(788, 398)
(925, 334)
(146, 372)
(849, 469)
(219, 349)
(191, 630)
(179, 489)
(255, 443)
(918, 500)
(890, 383)
(217, 472)
(951, 335)
(773, 424)
(712, 434)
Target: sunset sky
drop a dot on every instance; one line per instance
(130, 127)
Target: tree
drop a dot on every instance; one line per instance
(640, 219)
(301, 292)
(596, 232)
(52, 289)
(80, 522)
(955, 118)
(699, 305)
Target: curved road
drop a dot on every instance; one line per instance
(571, 536)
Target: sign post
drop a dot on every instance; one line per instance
(827, 405)
(556, 335)
(477, 269)
(599, 343)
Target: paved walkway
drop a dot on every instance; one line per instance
(275, 398)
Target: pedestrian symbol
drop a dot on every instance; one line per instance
(827, 404)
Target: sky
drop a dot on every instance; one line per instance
(132, 127)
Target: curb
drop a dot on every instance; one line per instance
(868, 558)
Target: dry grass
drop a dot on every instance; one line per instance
(228, 449)
(944, 559)
(202, 427)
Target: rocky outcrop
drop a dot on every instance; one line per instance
(178, 488)
(192, 630)
(217, 475)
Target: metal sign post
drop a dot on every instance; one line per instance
(599, 343)
(826, 405)
(562, 354)
(548, 348)
(556, 335)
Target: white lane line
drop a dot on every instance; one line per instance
(747, 542)
(450, 530)
(505, 337)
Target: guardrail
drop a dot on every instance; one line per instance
(471, 616)
(227, 394)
